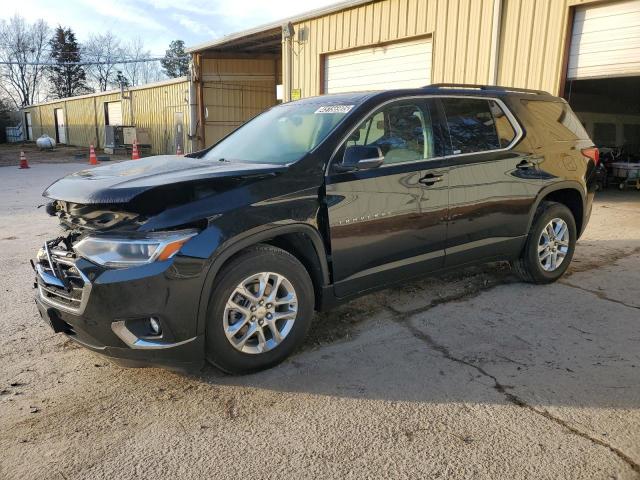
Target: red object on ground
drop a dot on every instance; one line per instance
(93, 160)
(23, 160)
(178, 151)
(135, 155)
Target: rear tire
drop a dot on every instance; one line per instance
(244, 335)
(550, 245)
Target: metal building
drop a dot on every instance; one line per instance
(160, 110)
(585, 50)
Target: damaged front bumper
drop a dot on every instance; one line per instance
(109, 310)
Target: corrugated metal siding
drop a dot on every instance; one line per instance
(460, 29)
(532, 44)
(81, 125)
(44, 119)
(153, 108)
(236, 90)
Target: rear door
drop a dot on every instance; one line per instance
(114, 113)
(492, 179)
(29, 125)
(389, 222)
(61, 131)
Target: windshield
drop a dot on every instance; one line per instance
(281, 135)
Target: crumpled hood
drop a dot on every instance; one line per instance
(121, 182)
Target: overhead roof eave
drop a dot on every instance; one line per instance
(235, 40)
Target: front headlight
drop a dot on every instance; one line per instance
(112, 251)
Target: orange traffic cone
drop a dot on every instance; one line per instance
(178, 150)
(93, 160)
(23, 160)
(135, 155)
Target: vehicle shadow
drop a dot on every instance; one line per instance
(476, 336)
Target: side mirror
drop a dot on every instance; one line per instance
(360, 158)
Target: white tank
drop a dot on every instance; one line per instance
(45, 142)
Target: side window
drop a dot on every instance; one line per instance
(471, 125)
(506, 132)
(369, 131)
(403, 131)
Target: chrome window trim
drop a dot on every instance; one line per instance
(510, 116)
(512, 119)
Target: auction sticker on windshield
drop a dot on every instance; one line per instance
(335, 109)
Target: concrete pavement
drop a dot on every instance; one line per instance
(472, 375)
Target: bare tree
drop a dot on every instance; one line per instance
(134, 50)
(140, 72)
(152, 72)
(27, 47)
(105, 51)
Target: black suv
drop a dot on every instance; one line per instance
(225, 254)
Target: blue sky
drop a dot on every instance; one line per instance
(157, 22)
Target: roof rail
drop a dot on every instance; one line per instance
(488, 88)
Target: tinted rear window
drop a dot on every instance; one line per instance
(477, 125)
(556, 120)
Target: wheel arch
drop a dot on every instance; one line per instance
(570, 194)
(301, 240)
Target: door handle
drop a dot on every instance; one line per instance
(430, 179)
(525, 165)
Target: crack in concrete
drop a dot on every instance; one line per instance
(611, 259)
(584, 332)
(599, 294)
(402, 319)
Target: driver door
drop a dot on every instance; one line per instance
(389, 223)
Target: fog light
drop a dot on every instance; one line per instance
(155, 326)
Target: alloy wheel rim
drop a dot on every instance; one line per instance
(260, 313)
(553, 245)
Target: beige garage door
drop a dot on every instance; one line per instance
(61, 131)
(605, 41)
(399, 65)
(114, 113)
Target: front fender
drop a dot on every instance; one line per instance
(223, 250)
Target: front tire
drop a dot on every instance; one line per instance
(550, 245)
(261, 308)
